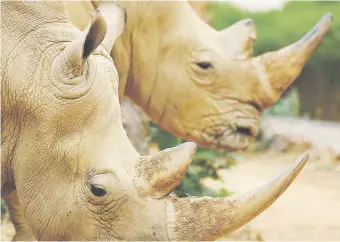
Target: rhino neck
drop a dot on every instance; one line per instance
(143, 51)
(150, 23)
(122, 57)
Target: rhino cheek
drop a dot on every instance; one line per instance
(87, 221)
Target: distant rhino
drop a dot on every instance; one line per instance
(66, 159)
(200, 84)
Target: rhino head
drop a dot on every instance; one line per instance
(116, 201)
(198, 83)
(204, 85)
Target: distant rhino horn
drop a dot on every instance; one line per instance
(238, 39)
(277, 70)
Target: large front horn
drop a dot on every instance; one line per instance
(206, 218)
(159, 174)
(277, 70)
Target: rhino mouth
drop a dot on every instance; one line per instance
(235, 136)
(244, 131)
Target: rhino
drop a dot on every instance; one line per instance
(197, 83)
(66, 159)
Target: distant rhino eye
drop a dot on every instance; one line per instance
(204, 65)
(98, 190)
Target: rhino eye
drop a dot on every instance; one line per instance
(204, 65)
(98, 190)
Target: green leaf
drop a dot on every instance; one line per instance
(205, 155)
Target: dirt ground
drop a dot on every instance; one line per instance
(309, 210)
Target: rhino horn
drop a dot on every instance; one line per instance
(206, 218)
(239, 38)
(277, 70)
(159, 174)
(115, 15)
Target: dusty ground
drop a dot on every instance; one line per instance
(7, 230)
(309, 210)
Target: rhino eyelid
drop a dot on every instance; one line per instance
(256, 106)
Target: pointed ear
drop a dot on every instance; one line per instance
(95, 35)
(115, 17)
(77, 52)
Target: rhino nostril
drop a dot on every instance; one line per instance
(244, 131)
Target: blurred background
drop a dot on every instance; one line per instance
(306, 118)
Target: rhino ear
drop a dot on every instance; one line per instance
(95, 35)
(106, 26)
(76, 52)
(115, 17)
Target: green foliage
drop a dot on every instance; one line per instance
(289, 105)
(164, 139)
(205, 164)
(3, 209)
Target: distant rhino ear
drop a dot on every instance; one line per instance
(69, 65)
(77, 52)
(95, 35)
(115, 17)
(106, 26)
